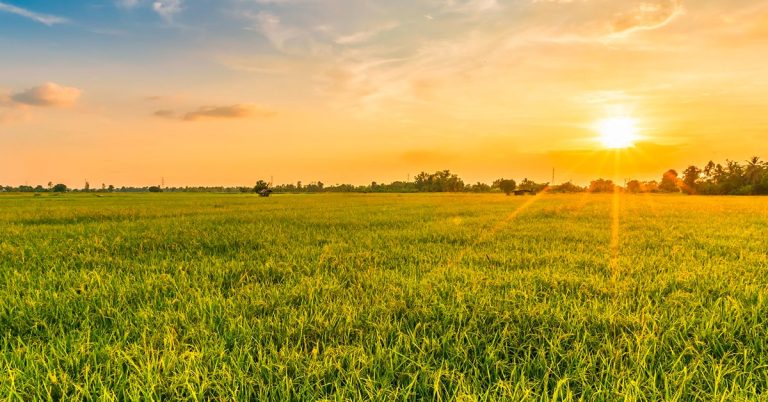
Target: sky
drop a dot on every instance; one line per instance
(226, 92)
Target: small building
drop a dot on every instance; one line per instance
(524, 192)
(265, 192)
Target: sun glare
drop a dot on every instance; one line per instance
(618, 132)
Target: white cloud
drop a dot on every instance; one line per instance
(167, 9)
(37, 17)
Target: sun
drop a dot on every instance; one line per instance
(617, 132)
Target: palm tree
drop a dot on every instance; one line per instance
(753, 171)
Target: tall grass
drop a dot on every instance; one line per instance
(382, 297)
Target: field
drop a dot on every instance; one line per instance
(383, 297)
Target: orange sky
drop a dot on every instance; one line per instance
(227, 93)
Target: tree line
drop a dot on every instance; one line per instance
(442, 181)
(731, 178)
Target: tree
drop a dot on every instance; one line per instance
(260, 185)
(669, 181)
(60, 188)
(441, 181)
(602, 186)
(480, 188)
(691, 177)
(709, 169)
(532, 186)
(634, 186)
(507, 185)
(754, 170)
(567, 187)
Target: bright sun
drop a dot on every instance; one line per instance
(617, 132)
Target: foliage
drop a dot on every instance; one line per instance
(532, 186)
(260, 185)
(505, 185)
(479, 188)
(566, 188)
(690, 178)
(602, 186)
(669, 182)
(733, 178)
(441, 181)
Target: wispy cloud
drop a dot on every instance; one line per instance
(647, 16)
(237, 111)
(229, 112)
(364, 36)
(272, 27)
(471, 6)
(127, 3)
(34, 16)
(167, 9)
(164, 113)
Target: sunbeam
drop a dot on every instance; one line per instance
(498, 226)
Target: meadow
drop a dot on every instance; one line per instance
(383, 297)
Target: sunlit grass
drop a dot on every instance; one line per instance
(355, 297)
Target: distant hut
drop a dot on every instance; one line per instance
(265, 192)
(524, 192)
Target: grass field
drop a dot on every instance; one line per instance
(383, 297)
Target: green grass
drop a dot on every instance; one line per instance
(382, 297)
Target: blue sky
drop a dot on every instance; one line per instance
(353, 91)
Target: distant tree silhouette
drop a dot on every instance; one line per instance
(754, 171)
(479, 188)
(690, 181)
(441, 181)
(602, 186)
(506, 185)
(669, 181)
(567, 187)
(731, 178)
(260, 185)
(531, 186)
(634, 186)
